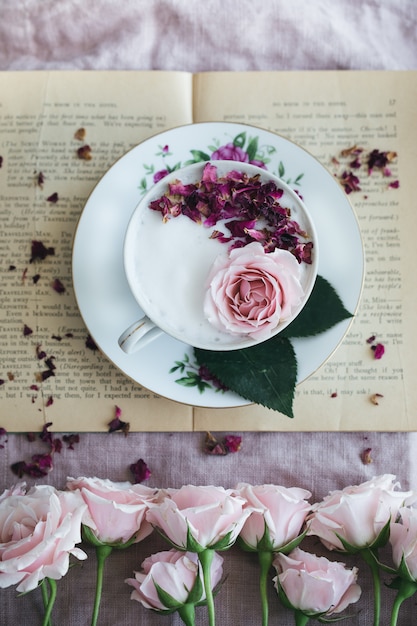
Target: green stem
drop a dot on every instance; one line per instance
(102, 552)
(265, 561)
(50, 600)
(301, 619)
(370, 558)
(187, 614)
(406, 589)
(206, 558)
(45, 597)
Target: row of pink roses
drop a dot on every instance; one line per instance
(40, 530)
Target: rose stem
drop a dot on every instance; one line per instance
(370, 558)
(50, 600)
(265, 562)
(102, 552)
(206, 558)
(406, 589)
(187, 614)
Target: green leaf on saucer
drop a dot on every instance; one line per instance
(323, 310)
(265, 374)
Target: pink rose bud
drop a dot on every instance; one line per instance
(38, 533)
(198, 517)
(251, 291)
(277, 518)
(357, 514)
(314, 585)
(116, 511)
(403, 540)
(176, 574)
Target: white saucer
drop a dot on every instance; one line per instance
(102, 292)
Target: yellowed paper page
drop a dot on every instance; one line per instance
(326, 113)
(40, 114)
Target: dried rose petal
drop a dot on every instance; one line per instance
(394, 184)
(30, 437)
(84, 153)
(247, 207)
(213, 446)
(53, 198)
(371, 339)
(333, 394)
(39, 251)
(27, 330)
(41, 354)
(70, 440)
(2, 381)
(40, 179)
(12, 268)
(58, 286)
(140, 471)
(90, 343)
(233, 443)
(36, 278)
(374, 398)
(1, 161)
(49, 401)
(378, 350)
(117, 424)
(3, 435)
(366, 456)
(80, 134)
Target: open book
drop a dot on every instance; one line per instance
(48, 372)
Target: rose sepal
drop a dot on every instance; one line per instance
(265, 544)
(89, 536)
(223, 544)
(380, 541)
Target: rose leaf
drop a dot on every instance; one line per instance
(265, 374)
(323, 310)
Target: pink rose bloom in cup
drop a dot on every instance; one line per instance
(251, 291)
(403, 540)
(38, 533)
(313, 584)
(198, 517)
(278, 516)
(176, 573)
(116, 510)
(358, 513)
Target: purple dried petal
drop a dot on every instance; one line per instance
(233, 443)
(40, 179)
(379, 350)
(117, 424)
(45, 435)
(53, 198)
(84, 153)
(36, 278)
(1, 161)
(90, 343)
(70, 440)
(12, 268)
(394, 184)
(140, 471)
(58, 286)
(49, 401)
(3, 435)
(213, 446)
(2, 381)
(39, 251)
(19, 468)
(41, 354)
(27, 330)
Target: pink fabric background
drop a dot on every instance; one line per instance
(195, 36)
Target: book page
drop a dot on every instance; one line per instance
(327, 113)
(50, 371)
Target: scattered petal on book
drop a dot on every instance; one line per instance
(53, 198)
(140, 471)
(366, 456)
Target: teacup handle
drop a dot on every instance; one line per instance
(138, 335)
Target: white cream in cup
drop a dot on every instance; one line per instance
(167, 264)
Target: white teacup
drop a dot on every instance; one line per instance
(167, 264)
